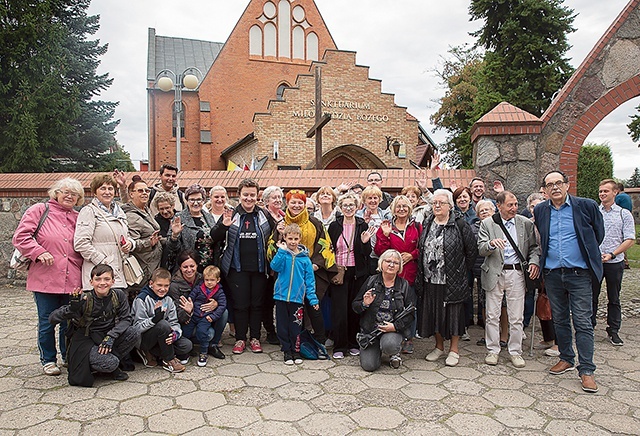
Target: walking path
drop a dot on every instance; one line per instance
(256, 394)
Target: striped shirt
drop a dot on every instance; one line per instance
(618, 227)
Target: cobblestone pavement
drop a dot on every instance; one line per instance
(256, 394)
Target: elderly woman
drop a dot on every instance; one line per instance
(316, 239)
(462, 199)
(190, 228)
(373, 215)
(272, 198)
(350, 239)
(102, 232)
(327, 201)
(382, 297)
(448, 252)
(402, 234)
(54, 272)
(246, 230)
(144, 230)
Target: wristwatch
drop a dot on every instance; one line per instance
(613, 256)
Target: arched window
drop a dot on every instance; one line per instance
(270, 39)
(312, 47)
(280, 91)
(255, 41)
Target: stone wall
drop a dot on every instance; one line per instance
(10, 214)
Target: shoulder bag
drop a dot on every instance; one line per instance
(19, 262)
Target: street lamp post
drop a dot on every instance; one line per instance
(186, 79)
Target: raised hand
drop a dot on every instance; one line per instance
(176, 227)
(386, 227)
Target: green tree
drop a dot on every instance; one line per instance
(49, 118)
(634, 180)
(595, 163)
(634, 126)
(459, 76)
(525, 59)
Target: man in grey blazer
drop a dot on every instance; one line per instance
(502, 273)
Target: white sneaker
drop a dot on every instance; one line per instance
(452, 359)
(551, 352)
(518, 361)
(491, 359)
(51, 368)
(434, 355)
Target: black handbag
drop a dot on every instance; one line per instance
(531, 284)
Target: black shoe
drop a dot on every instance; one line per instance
(615, 339)
(272, 338)
(119, 375)
(481, 342)
(127, 364)
(503, 344)
(216, 352)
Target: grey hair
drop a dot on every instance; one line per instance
(269, 190)
(446, 193)
(387, 254)
(349, 196)
(164, 196)
(533, 197)
(482, 202)
(72, 185)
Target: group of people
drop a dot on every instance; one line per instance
(364, 272)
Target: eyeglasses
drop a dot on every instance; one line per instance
(557, 184)
(69, 194)
(440, 203)
(195, 200)
(391, 262)
(142, 190)
(348, 206)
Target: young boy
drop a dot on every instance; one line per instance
(156, 319)
(100, 333)
(295, 282)
(208, 325)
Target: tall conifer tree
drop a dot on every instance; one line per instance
(49, 117)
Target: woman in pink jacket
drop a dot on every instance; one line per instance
(402, 233)
(55, 267)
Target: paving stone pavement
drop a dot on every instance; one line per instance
(256, 394)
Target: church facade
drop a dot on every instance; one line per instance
(255, 101)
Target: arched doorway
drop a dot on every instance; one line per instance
(341, 163)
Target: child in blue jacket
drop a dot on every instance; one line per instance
(208, 325)
(295, 282)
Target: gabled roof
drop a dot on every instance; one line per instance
(178, 54)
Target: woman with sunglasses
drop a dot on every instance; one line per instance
(190, 228)
(144, 230)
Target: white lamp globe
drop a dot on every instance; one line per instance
(165, 83)
(190, 81)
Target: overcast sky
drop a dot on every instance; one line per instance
(402, 41)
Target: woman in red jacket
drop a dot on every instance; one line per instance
(402, 233)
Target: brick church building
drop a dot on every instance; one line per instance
(255, 101)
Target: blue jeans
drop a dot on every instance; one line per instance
(206, 333)
(45, 304)
(570, 295)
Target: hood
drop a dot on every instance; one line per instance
(147, 292)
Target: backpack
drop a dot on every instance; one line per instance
(310, 348)
(86, 320)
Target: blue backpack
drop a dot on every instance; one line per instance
(310, 348)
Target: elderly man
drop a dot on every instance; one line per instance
(571, 230)
(619, 236)
(503, 273)
(168, 183)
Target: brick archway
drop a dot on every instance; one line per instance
(351, 154)
(341, 163)
(519, 148)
